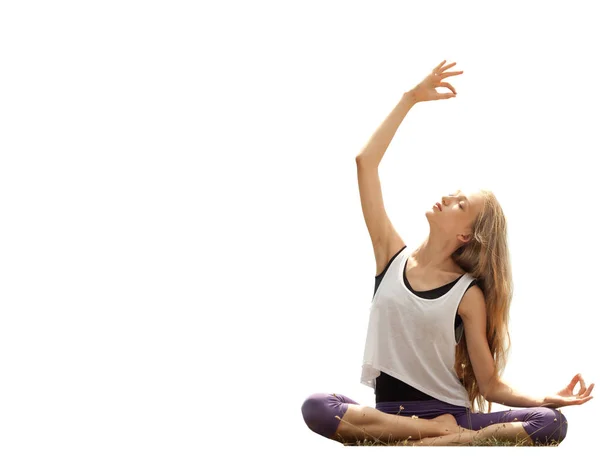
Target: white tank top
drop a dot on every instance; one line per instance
(412, 338)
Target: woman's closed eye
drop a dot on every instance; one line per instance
(453, 195)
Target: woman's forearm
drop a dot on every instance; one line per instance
(373, 151)
(507, 396)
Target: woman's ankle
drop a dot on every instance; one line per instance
(447, 424)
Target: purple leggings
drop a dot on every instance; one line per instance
(542, 424)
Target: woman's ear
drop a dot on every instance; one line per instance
(465, 238)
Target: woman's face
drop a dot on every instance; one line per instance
(458, 211)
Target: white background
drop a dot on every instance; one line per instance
(183, 254)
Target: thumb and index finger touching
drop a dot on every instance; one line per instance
(439, 72)
(584, 391)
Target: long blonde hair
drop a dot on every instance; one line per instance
(486, 257)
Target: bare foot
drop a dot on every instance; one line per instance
(453, 434)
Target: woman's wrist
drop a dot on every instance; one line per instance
(410, 97)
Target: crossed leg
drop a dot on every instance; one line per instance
(340, 418)
(362, 422)
(522, 426)
(365, 423)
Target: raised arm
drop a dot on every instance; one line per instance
(372, 153)
(383, 235)
(386, 241)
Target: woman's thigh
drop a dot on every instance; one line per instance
(542, 424)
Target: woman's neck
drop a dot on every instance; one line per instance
(436, 257)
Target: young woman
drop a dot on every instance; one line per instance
(438, 322)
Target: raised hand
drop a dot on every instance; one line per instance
(425, 90)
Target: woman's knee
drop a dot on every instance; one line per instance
(319, 411)
(546, 425)
(312, 408)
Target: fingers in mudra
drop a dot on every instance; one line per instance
(438, 75)
(584, 391)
